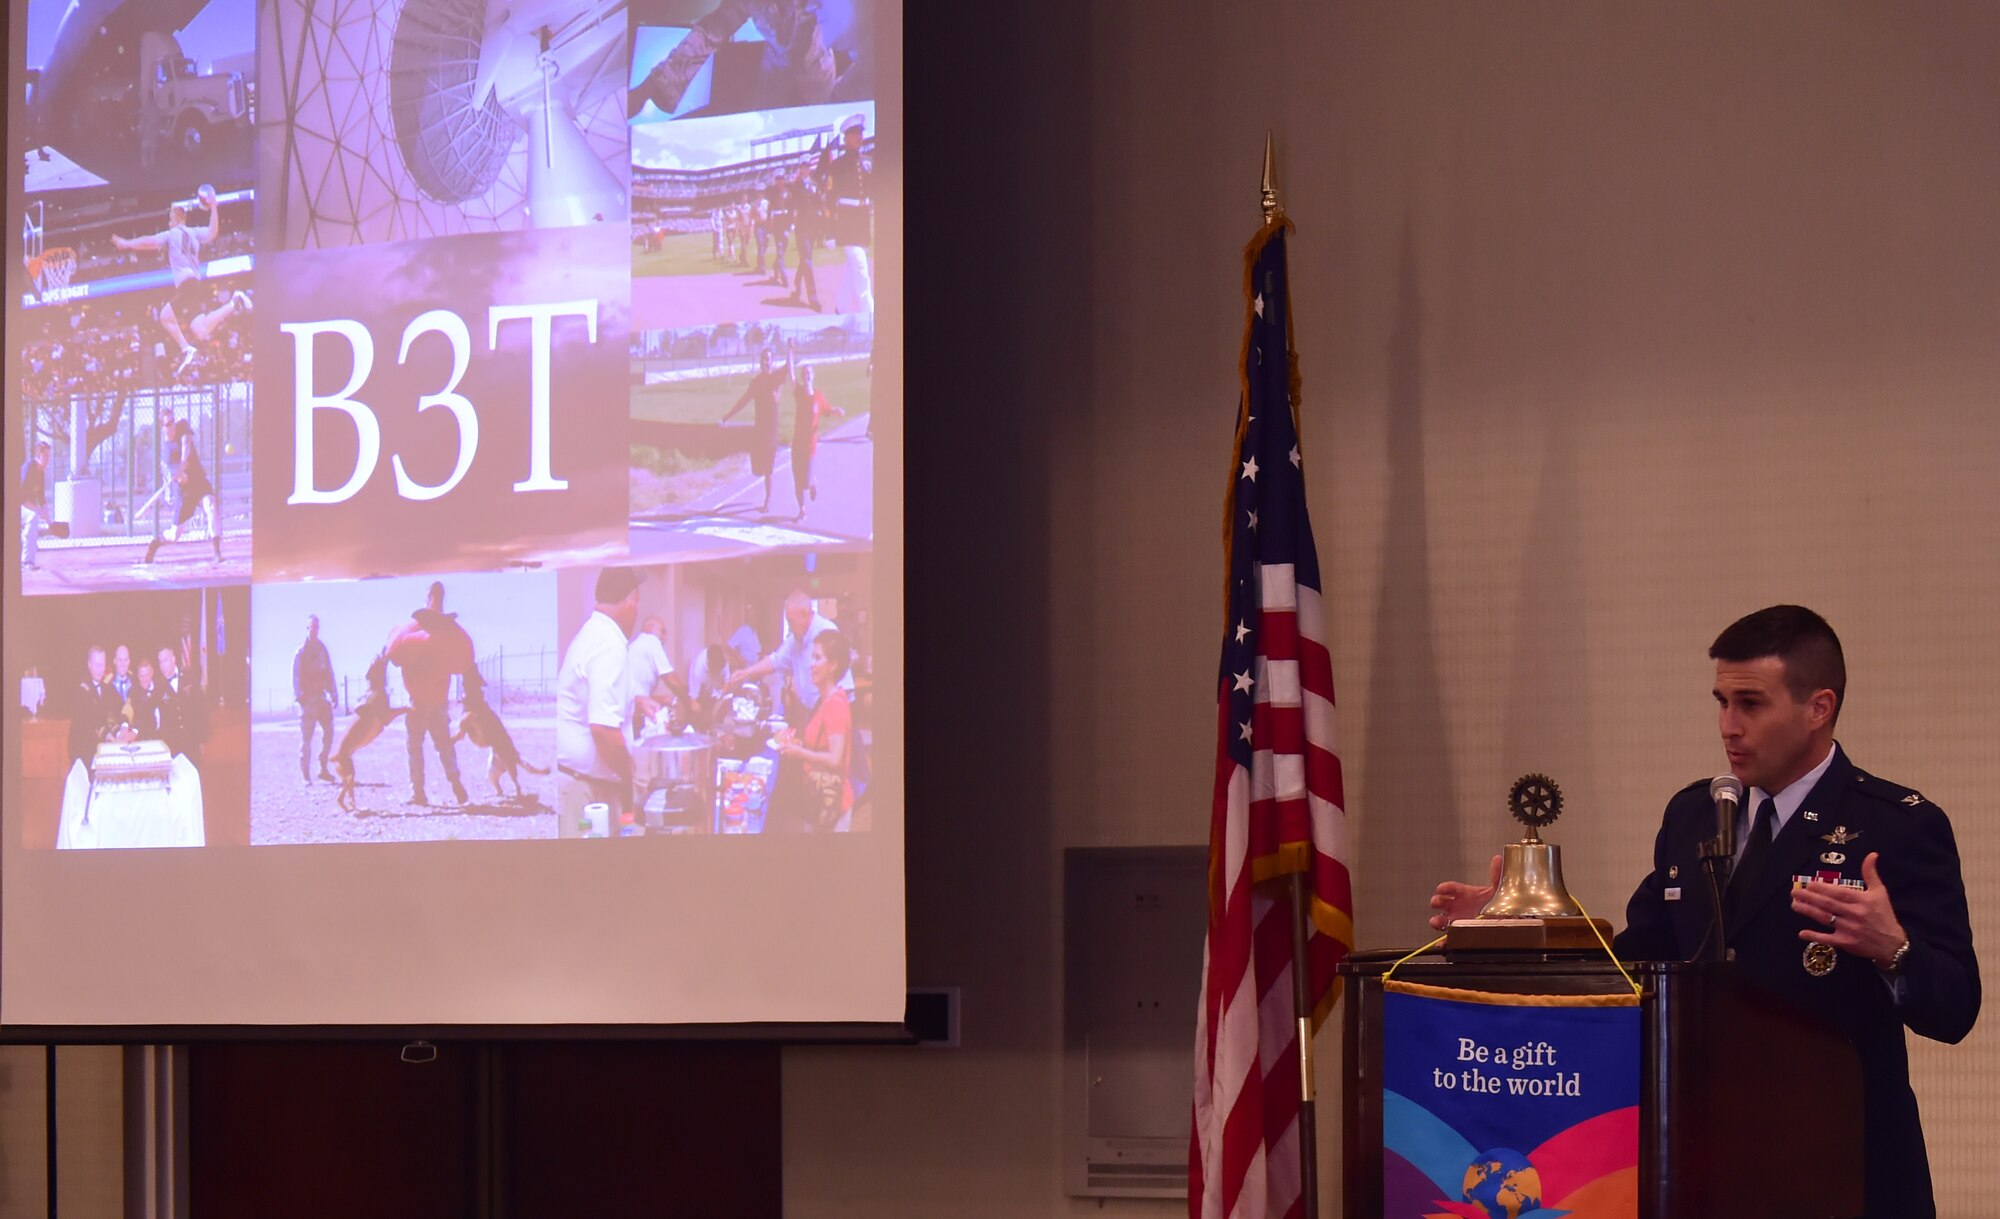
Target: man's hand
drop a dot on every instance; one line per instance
(612, 753)
(1860, 921)
(1457, 900)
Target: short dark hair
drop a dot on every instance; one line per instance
(1798, 637)
(838, 652)
(614, 584)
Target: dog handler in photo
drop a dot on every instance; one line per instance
(312, 690)
(430, 648)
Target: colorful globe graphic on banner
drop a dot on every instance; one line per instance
(1503, 1183)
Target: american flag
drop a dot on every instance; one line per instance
(1278, 802)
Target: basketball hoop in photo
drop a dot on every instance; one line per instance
(51, 269)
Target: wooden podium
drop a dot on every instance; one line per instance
(1747, 1106)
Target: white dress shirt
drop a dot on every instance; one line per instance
(590, 690)
(1787, 801)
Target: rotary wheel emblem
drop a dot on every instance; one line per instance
(1535, 801)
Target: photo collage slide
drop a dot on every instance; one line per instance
(435, 423)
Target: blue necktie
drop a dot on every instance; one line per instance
(1754, 851)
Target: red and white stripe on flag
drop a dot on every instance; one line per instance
(1281, 814)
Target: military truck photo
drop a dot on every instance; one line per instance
(121, 98)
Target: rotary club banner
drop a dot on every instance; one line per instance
(1501, 1106)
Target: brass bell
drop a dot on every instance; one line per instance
(1531, 883)
(1531, 875)
(1531, 909)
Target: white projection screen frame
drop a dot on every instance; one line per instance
(352, 391)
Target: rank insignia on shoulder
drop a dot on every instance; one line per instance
(1811, 815)
(1820, 959)
(1841, 836)
(1913, 798)
(1832, 857)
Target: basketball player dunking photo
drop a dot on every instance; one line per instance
(183, 316)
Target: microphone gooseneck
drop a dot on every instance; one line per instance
(1727, 792)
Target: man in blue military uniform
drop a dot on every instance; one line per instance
(1847, 896)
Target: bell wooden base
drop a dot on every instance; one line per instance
(1530, 934)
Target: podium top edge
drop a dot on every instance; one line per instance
(1374, 962)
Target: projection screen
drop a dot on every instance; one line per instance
(456, 449)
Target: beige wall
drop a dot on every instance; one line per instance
(1616, 321)
(90, 1132)
(24, 1146)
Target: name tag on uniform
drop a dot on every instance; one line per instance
(1674, 894)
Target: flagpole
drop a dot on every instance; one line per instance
(1302, 1007)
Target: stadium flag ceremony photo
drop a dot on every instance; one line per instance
(1278, 807)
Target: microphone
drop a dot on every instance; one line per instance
(1717, 853)
(1727, 792)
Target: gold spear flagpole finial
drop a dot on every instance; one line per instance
(1269, 193)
